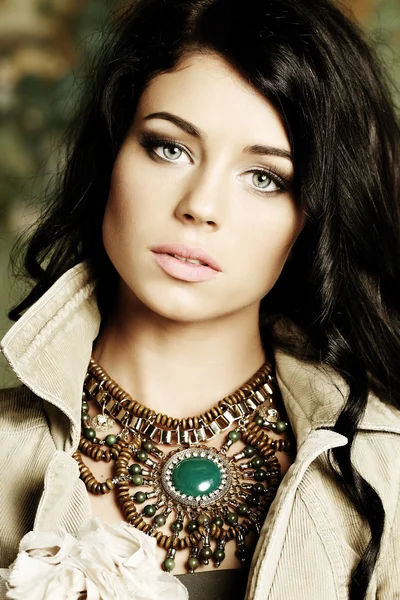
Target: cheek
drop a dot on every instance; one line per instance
(268, 242)
(274, 233)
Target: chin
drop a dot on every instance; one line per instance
(166, 302)
(180, 310)
(182, 302)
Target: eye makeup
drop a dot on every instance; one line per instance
(150, 141)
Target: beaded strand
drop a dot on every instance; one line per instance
(241, 500)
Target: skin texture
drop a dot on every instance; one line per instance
(201, 339)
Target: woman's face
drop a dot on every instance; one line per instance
(186, 175)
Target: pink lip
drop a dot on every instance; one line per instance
(187, 252)
(184, 270)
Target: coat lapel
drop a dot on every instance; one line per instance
(273, 532)
(50, 346)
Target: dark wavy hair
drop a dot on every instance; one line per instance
(341, 287)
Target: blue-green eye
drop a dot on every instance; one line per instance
(170, 152)
(263, 181)
(267, 182)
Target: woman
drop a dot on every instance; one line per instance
(218, 274)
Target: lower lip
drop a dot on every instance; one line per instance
(184, 270)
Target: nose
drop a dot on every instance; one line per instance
(205, 202)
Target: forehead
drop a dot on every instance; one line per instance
(205, 90)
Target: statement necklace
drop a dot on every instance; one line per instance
(206, 495)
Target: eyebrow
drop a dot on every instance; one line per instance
(194, 131)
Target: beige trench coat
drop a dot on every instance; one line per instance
(312, 537)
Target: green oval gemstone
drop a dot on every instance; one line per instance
(141, 455)
(281, 426)
(196, 476)
(140, 497)
(218, 521)
(89, 433)
(177, 526)
(243, 509)
(160, 520)
(192, 526)
(231, 518)
(234, 435)
(219, 555)
(193, 563)
(135, 469)
(258, 488)
(260, 475)
(110, 440)
(137, 480)
(149, 510)
(249, 451)
(169, 564)
(206, 553)
(257, 462)
(203, 519)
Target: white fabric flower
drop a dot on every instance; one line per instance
(104, 562)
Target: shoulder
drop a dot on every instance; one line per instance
(375, 456)
(376, 448)
(376, 452)
(380, 416)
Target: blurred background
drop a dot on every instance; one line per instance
(43, 45)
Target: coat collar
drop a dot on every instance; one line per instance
(50, 346)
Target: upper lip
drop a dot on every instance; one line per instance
(187, 252)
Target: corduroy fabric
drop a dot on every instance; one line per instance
(312, 537)
(25, 446)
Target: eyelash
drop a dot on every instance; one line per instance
(149, 141)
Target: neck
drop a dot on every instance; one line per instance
(179, 368)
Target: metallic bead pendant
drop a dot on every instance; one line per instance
(102, 422)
